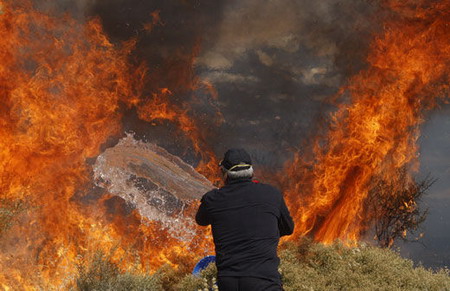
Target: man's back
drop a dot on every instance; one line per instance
(247, 220)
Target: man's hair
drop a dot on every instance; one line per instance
(242, 174)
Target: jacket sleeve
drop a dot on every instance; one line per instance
(202, 217)
(285, 222)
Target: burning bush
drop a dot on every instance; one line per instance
(395, 208)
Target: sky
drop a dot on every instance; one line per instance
(434, 249)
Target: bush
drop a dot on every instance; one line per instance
(312, 266)
(205, 282)
(103, 274)
(305, 265)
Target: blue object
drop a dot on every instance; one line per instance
(202, 264)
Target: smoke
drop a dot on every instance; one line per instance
(313, 41)
(273, 65)
(76, 8)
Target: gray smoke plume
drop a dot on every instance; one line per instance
(273, 64)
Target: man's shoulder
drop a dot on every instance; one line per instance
(267, 189)
(209, 194)
(265, 186)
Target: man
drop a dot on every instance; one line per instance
(247, 218)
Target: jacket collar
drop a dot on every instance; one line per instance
(236, 181)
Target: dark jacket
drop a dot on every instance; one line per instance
(247, 220)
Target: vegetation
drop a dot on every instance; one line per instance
(103, 274)
(395, 208)
(312, 266)
(304, 266)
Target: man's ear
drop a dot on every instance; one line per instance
(224, 172)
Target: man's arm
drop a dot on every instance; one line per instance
(285, 222)
(202, 217)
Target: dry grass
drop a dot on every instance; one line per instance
(304, 266)
(311, 266)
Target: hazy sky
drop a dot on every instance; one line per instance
(434, 249)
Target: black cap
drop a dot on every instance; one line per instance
(234, 157)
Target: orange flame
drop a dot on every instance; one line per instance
(156, 20)
(61, 84)
(159, 107)
(374, 134)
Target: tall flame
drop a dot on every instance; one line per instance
(62, 83)
(374, 132)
